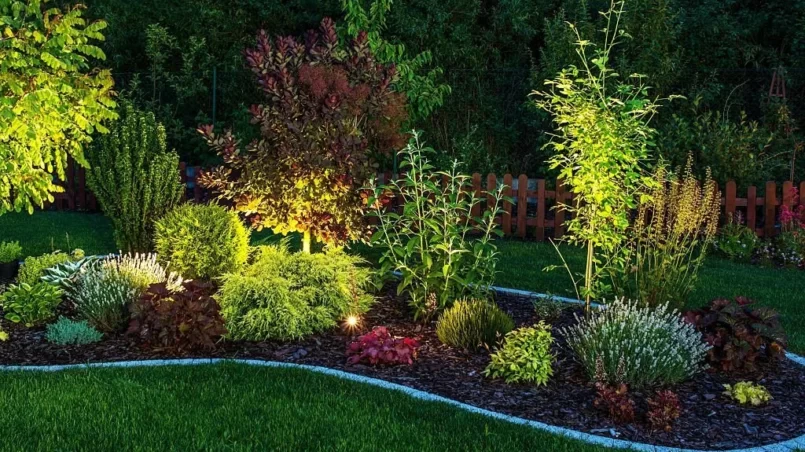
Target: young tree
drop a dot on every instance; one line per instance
(330, 108)
(603, 137)
(52, 102)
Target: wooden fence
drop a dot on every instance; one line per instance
(533, 214)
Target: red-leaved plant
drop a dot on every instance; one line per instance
(183, 320)
(663, 410)
(330, 108)
(615, 401)
(379, 347)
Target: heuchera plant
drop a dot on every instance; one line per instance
(616, 401)
(739, 334)
(663, 410)
(330, 108)
(378, 347)
(184, 320)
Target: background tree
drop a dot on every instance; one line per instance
(330, 110)
(134, 178)
(51, 101)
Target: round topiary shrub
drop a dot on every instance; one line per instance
(202, 241)
(469, 324)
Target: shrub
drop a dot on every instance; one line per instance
(441, 249)
(735, 241)
(469, 324)
(202, 241)
(330, 108)
(33, 268)
(102, 297)
(738, 334)
(10, 252)
(548, 308)
(524, 356)
(53, 101)
(185, 319)
(30, 304)
(283, 295)
(142, 270)
(615, 401)
(674, 227)
(663, 410)
(134, 178)
(638, 346)
(70, 332)
(378, 347)
(747, 392)
(3, 335)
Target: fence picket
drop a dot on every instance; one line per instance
(506, 221)
(771, 209)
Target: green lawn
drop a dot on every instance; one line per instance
(235, 407)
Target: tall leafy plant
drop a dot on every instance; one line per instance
(603, 136)
(441, 249)
(330, 108)
(52, 101)
(421, 84)
(134, 178)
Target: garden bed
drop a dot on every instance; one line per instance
(709, 420)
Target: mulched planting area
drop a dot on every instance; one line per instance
(709, 419)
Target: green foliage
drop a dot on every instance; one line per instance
(736, 241)
(283, 295)
(66, 275)
(548, 308)
(668, 240)
(71, 332)
(469, 324)
(9, 252)
(52, 102)
(315, 153)
(183, 319)
(422, 86)
(30, 304)
(443, 251)
(524, 356)
(201, 241)
(142, 270)
(637, 346)
(747, 392)
(134, 178)
(34, 268)
(603, 137)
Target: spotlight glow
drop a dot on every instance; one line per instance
(352, 323)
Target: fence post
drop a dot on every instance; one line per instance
(506, 221)
(541, 209)
(771, 209)
(788, 199)
(559, 219)
(522, 205)
(751, 208)
(729, 200)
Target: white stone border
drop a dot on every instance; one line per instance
(785, 446)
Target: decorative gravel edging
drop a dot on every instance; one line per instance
(797, 443)
(786, 446)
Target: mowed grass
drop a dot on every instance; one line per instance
(236, 407)
(521, 264)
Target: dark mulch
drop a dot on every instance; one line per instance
(709, 420)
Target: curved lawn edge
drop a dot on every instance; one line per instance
(792, 444)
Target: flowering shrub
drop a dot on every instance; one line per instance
(747, 392)
(735, 241)
(441, 250)
(524, 356)
(663, 410)
(330, 108)
(378, 347)
(792, 218)
(738, 334)
(185, 319)
(141, 270)
(615, 401)
(470, 324)
(639, 346)
(101, 297)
